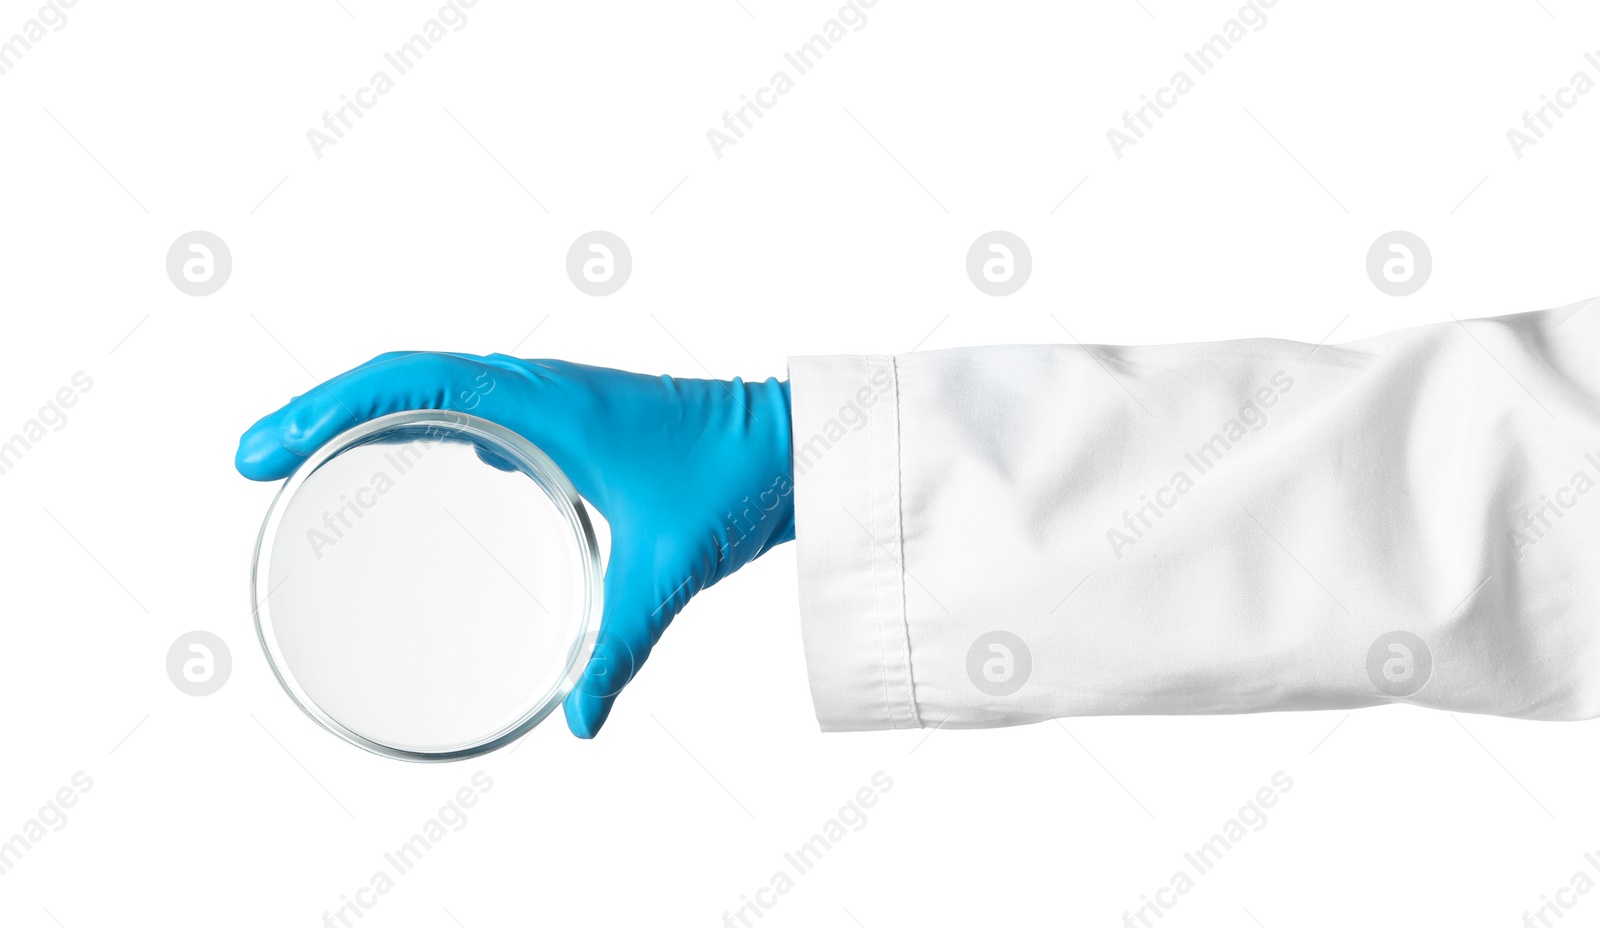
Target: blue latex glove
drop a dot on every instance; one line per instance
(695, 477)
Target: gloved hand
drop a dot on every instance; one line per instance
(695, 477)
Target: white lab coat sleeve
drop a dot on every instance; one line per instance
(995, 536)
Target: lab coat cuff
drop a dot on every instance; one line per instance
(848, 531)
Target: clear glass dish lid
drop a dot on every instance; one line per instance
(424, 583)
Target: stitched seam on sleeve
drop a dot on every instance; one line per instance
(872, 553)
(899, 539)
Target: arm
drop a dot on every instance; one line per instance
(994, 536)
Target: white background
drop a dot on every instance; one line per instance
(840, 224)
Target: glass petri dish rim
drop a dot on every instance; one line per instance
(551, 480)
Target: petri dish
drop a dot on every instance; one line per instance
(424, 585)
